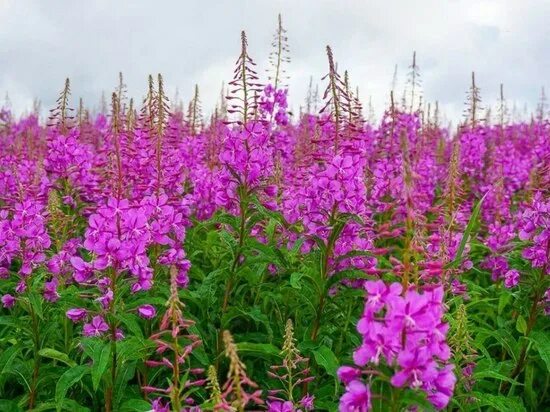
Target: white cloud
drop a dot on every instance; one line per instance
(197, 42)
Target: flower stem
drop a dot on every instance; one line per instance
(324, 276)
(109, 393)
(36, 349)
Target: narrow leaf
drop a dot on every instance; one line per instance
(327, 359)
(467, 232)
(55, 354)
(542, 343)
(100, 361)
(68, 379)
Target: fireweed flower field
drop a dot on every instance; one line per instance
(273, 261)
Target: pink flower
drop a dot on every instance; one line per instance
(356, 399)
(511, 278)
(106, 299)
(96, 328)
(158, 406)
(50, 290)
(8, 301)
(346, 374)
(77, 314)
(416, 369)
(440, 392)
(83, 270)
(307, 402)
(147, 311)
(277, 406)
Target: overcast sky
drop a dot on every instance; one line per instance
(42, 42)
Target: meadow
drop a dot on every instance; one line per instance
(155, 259)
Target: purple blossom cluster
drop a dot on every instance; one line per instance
(23, 239)
(534, 226)
(405, 331)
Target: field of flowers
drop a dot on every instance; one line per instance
(268, 260)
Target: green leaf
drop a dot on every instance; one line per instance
(100, 359)
(297, 245)
(125, 372)
(503, 300)
(55, 354)
(506, 340)
(354, 253)
(68, 405)
(295, 280)
(230, 242)
(346, 274)
(7, 358)
(131, 322)
(326, 405)
(259, 349)
(68, 379)
(135, 405)
(90, 344)
(35, 301)
(521, 325)
(320, 242)
(416, 398)
(500, 402)
(132, 349)
(530, 394)
(199, 353)
(327, 359)
(467, 232)
(9, 405)
(489, 373)
(542, 343)
(10, 321)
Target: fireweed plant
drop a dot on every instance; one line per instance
(153, 259)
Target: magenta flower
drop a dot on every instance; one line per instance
(346, 374)
(147, 311)
(442, 388)
(511, 278)
(411, 313)
(277, 406)
(307, 402)
(96, 328)
(416, 369)
(83, 270)
(159, 406)
(378, 293)
(77, 314)
(21, 287)
(106, 299)
(356, 399)
(50, 290)
(8, 301)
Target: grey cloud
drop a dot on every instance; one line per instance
(197, 42)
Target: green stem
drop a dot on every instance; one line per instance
(242, 230)
(110, 393)
(175, 395)
(324, 275)
(394, 407)
(344, 330)
(243, 205)
(66, 327)
(36, 349)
